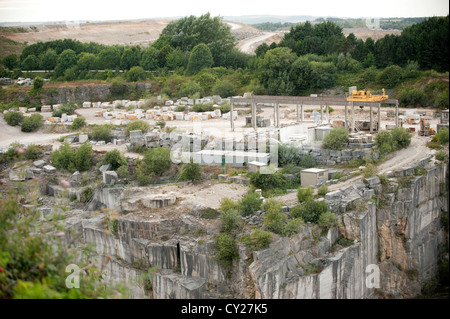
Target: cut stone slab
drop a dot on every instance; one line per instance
(99, 143)
(82, 138)
(76, 177)
(222, 177)
(110, 177)
(158, 200)
(17, 175)
(39, 163)
(49, 169)
(104, 168)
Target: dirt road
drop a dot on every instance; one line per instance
(396, 160)
(249, 45)
(11, 134)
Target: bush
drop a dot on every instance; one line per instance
(305, 194)
(64, 157)
(322, 190)
(83, 157)
(390, 76)
(68, 109)
(13, 118)
(288, 155)
(338, 175)
(86, 194)
(231, 221)
(385, 142)
(115, 159)
(78, 123)
(31, 123)
(101, 133)
(228, 204)
(370, 170)
(226, 249)
(293, 226)
(441, 155)
(32, 152)
(123, 172)
(335, 139)
(157, 160)
(442, 137)
(400, 137)
(310, 211)
(327, 220)
(137, 125)
(274, 220)
(225, 108)
(38, 83)
(272, 204)
(143, 176)
(410, 96)
(268, 181)
(118, 87)
(250, 203)
(257, 240)
(191, 172)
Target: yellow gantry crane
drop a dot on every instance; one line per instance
(366, 96)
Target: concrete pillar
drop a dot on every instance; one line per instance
(328, 114)
(371, 119)
(321, 113)
(301, 110)
(346, 116)
(278, 115)
(353, 117)
(254, 115)
(298, 115)
(396, 113)
(231, 116)
(379, 117)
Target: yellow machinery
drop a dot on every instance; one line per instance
(425, 128)
(366, 96)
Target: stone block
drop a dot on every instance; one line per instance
(49, 169)
(110, 177)
(158, 200)
(99, 143)
(17, 175)
(82, 138)
(104, 168)
(368, 193)
(222, 177)
(76, 177)
(372, 181)
(39, 163)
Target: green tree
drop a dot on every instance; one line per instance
(136, 73)
(305, 194)
(32, 123)
(190, 89)
(231, 221)
(137, 125)
(335, 139)
(312, 210)
(187, 32)
(83, 157)
(442, 137)
(49, 59)
(250, 203)
(86, 61)
(274, 220)
(163, 54)
(224, 89)
(258, 239)
(66, 60)
(130, 58)
(177, 59)
(115, 159)
(157, 160)
(13, 118)
(78, 123)
(101, 133)
(38, 83)
(274, 70)
(31, 63)
(384, 142)
(390, 77)
(227, 249)
(191, 172)
(199, 59)
(149, 60)
(108, 58)
(293, 226)
(401, 137)
(328, 220)
(11, 61)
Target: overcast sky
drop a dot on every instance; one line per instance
(73, 10)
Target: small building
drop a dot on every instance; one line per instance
(444, 120)
(313, 176)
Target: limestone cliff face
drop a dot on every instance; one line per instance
(397, 231)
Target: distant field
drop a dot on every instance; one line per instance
(138, 32)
